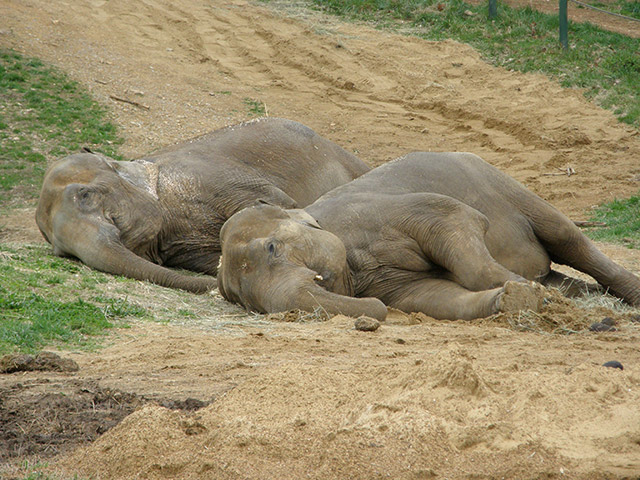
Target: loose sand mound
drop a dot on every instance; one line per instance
(417, 398)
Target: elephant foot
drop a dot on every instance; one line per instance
(570, 287)
(518, 296)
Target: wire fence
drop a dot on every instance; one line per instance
(605, 11)
(563, 16)
(564, 21)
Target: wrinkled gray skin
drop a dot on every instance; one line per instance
(445, 234)
(166, 209)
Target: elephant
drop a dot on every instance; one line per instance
(143, 218)
(445, 234)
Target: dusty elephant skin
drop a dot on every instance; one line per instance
(445, 234)
(166, 210)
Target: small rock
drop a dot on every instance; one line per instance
(190, 404)
(400, 341)
(367, 324)
(613, 364)
(608, 321)
(602, 327)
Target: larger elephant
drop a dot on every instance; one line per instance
(166, 209)
(445, 234)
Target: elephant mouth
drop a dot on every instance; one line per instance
(336, 282)
(320, 280)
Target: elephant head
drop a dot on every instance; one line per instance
(106, 214)
(276, 260)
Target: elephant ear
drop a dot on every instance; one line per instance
(301, 216)
(259, 192)
(136, 214)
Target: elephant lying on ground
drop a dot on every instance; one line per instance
(445, 234)
(166, 209)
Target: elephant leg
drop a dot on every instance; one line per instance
(569, 286)
(473, 267)
(459, 246)
(444, 299)
(567, 245)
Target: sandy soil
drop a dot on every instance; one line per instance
(416, 399)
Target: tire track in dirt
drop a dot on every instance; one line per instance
(523, 134)
(377, 94)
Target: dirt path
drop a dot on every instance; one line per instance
(418, 398)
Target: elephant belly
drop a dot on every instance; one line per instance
(197, 254)
(196, 262)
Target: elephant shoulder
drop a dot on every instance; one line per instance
(435, 211)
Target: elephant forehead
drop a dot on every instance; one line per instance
(79, 168)
(250, 223)
(319, 242)
(288, 229)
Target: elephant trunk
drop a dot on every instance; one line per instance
(315, 297)
(130, 265)
(106, 253)
(627, 287)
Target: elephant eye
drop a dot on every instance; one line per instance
(83, 195)
(272, 248)
(86, 198)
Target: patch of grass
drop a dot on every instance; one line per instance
(257, 108)
(605, 64)
(39, 303)
(622, 218)
(623, 7)
(38, 471)
(630, 9)
(43, 115)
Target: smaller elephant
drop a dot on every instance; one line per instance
(445, 234)
(166, 210)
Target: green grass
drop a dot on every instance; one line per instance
(40, 304)
(256, 108)
(43, 115)
(622, 218)
(605, 64)
(38, 471)
(46, 300)
(630, 9)
(623, 7)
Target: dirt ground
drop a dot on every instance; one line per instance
(230, 395)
